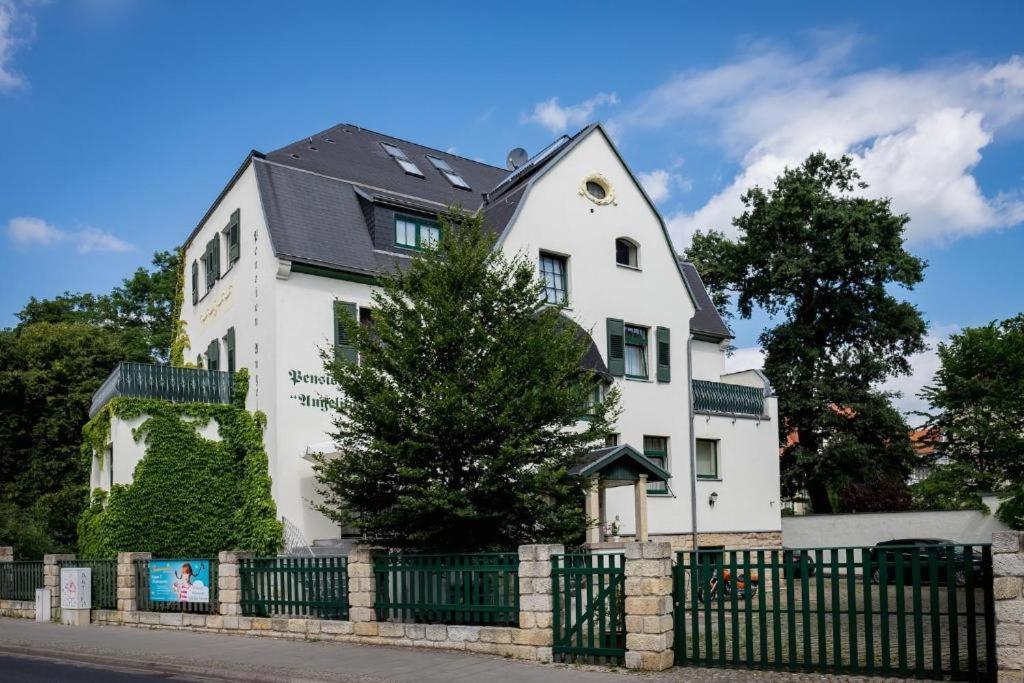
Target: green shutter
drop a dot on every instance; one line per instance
(229, 343)
(616, 347)
(213, 356)
(234, 229)
(215, 253)
(208, 266)
(195, 282)
(664, 355)
(342, 344)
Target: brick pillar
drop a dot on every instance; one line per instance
(229, 581)
(1008, 573)
(51, 580)
(6, 553)
(649, 623)
(362, 590)
(535, 602)
(127, 591)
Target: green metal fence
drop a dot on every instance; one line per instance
(19, 580)
(147, 604)
(301, 586)
(145, 380)
(468, 588)
(718, 397)
(921, 611)
(104, 581)
(588, 597)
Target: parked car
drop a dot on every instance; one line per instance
(791, 564)
(924, 548)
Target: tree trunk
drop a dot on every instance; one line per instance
(817, 491)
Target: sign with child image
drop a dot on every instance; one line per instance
(179, 580)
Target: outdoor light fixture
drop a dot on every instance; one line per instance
(712, 498)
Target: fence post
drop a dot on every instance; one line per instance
(229, 581)
(649, 635)
(127, 590)
(535, 603)
(1008, 584)
(362, 590)
(51, 581)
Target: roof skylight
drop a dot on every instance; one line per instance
(450, 173)
(401, 159)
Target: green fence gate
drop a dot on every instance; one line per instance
(588, 595)
(924, 611)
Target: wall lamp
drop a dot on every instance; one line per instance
(713, 498)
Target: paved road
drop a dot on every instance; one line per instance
(141, 654)
(39, 670)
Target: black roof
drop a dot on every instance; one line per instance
(598, 460)
(313, 212)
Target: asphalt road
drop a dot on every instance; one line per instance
(40, 670)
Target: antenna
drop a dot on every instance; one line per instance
(516, 158)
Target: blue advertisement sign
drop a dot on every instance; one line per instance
(179, 580)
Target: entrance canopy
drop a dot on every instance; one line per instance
(616, 466)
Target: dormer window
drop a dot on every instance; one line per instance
(450, 173)
(401, 159)
(627, 253)
(413, 233)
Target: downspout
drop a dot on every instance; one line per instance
(693, 442)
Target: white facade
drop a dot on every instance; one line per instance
(283, 320)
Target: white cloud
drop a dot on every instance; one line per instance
(28, 231)
(17, 28)
(557, 119)
(745, 358)
(657, 184)
(916, 135)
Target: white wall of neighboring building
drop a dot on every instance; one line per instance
(708, 360)
(869, 528)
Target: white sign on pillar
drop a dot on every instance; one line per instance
(76, 588)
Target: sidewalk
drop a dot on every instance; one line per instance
(241, 658)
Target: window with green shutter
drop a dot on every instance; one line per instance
(636, 352)
(229, 347)
(616, 347)
(342, 343)
(195, 282)
(213, 355)
(234, 237)
(216, 255)
(664, 354)
(656, 448)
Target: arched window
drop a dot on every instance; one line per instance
(627, 253)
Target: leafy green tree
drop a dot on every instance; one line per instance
(822, 260)
(977, 406)
(463, 414)
(953, 486)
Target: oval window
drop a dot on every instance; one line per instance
(596, 190)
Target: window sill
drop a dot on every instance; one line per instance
(629, 267)
(700, 478)
(659, 494)
(647, 380)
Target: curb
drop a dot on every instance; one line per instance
(151, 667)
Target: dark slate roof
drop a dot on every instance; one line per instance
(595, 461)
(592, 359)
(706, 320)
(356, 155)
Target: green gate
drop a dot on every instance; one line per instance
(588, 593)
(924, 611)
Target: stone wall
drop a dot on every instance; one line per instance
(1008, 570)
(737, 539)
(19, 609)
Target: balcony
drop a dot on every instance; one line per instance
(727, 399)
(178, 385)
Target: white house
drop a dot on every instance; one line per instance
(297, 235)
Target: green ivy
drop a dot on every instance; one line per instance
(189, 495)
(179, 337)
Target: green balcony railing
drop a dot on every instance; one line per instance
(179, 385)
(716, 397)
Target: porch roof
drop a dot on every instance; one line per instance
(618, 465)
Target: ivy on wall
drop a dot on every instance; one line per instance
(189, 495)
(179, 337)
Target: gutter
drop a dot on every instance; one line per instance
(693, 443)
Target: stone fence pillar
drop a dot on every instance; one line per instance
(649, 606)
(127, 590)
(1008, 573)
(362, 590)
(229, 581)
(6, 553)
(535, 602)
(51, 581)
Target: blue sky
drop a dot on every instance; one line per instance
(120, 121)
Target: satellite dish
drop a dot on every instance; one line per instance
(516, 158)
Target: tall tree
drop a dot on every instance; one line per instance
(977, 408)
(821, 259)
(460, 419)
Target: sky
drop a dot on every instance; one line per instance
(121, 120)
